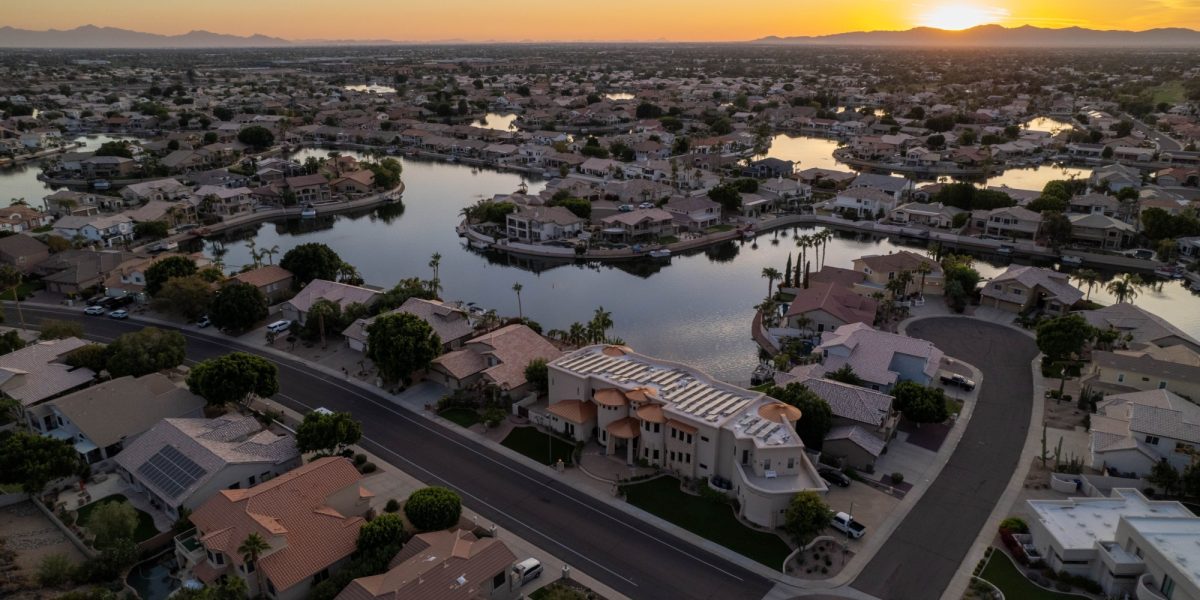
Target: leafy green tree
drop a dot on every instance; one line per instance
(325, 319)
(189, 297)
(115, 148)
(31, 461)
(256, 136)
(171, 266)
(646, 110)
(816, 418)
(91, 356)
(312, 261)
(10, 341)
(1056, 227)
(55, 570)
(806, 516)
(387, 173)
(382, 537)
(433, 509)
(325, 433)
(111, 522)
(233, 377)
(579, 207)
(145, 351)
(1062, 337)
(728, 196)
(151, 230)
(920, 404)
(845, 374)
(238, 306)
(538, 374)
(1165, 477)
(54, 329)
(401, 343)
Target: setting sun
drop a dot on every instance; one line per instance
(959, 16)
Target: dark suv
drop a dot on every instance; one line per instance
(834, 476)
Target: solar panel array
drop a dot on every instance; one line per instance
(170, 471)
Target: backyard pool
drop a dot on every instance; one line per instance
(154, 579)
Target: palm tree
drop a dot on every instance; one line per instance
(804, 242)
(600, 324)
(1125, 287)
(905, 278)
(434, 262)
(577, 334)
(270, 253)
(1086, 278)
(347, 273)
(771, 274)
(924, 269)
(10, 277)
(517, 287)
(251, 549)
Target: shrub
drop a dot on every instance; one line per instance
(391, 506)
(433, 508)
(897, 478)
(1015, 525)
(369, 468)
(1062, 586)
(360, 460)
(55, 570)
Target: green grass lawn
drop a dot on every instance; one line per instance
(1171, 92)
(1002, 573)
(707, 518)
(145, 527)
(464, 417)
(716, 228)
(539, 446)
(667, 239)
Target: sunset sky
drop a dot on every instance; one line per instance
(517, 20)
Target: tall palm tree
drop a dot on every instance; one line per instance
(803, 242)
(270, 253)
(924, 268)
(905, 278)
(434, 262)
(251, 549)
(10, 277)
(1086, 278)
(600, 324)
(577, 334)
(1125, 287)
(517, 287)
(771, 274)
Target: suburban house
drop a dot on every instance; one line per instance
(274, 281)
(1014, 222)
(1176, 369)
(158, 189)
(442, 565)
(309, 517)
(1094, 204)
(497, 358)
(74, 271)
(1132, 432)
(20, 217)
(102, 419)
(38, 372)
(229, 452)
(693, 213)
(23, 252)
(451, 324)
(642, 223)
(863, 202)
(879, 358)
(354, 183)
(542, 223)
(864, 420)
(342, 294)
(896, 187)
(221, 200)
(879, 269)
(129, 278)
(67, 202)
(1139, 326)
(309, 188)
(1100, 230)
(1131, 546)
(930, 215)
(824, 307)
(671, 415)
(1023, 288)
(105, 230)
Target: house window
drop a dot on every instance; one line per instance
(703, 438)
(1162, 385)
(498, 580)
(1120, 377)
(248, 567)
(235, 485)
(703, 466)
(791, 463)
(322, 575)
(251, 480)
(655, 454)
(1183, 448)
(689, 438)
(1152, 440)
(270, 588)
(657, 428)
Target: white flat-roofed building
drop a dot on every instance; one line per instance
(681, 419)
(1126, 543)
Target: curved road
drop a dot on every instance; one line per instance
(629, 555)
(923, 554)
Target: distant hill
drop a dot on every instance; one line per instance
(997, 36)
(90, 36)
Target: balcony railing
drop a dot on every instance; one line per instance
(1145, 589)
(188, 544)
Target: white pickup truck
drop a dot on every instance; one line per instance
(847, 525)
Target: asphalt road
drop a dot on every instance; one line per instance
(927, 549)
(1165, 142)
(627, 554)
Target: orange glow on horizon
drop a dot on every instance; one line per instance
(554, 20)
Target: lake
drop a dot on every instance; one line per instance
(20, 180)
(496, 121)
(373, 88)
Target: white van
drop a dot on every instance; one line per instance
(526, 571)
(279, 326)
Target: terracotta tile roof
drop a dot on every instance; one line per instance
(293, 513)
(443, 565)
(264, 276)
(610, 397)
(843, 304)
(625, 429)
(652, 413)
(512, 347)
(575, 411)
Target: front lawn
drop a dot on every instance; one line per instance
(719, 228)
(1003, 574)
(145, 527)
(463, 417)
(707, 518)
(539, 446)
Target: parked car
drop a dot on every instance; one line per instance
(646, 205)
(203, 322)
(625, 208)
(834, 477)
(119, 314)
(279, 326)
(527, 570)
(958, 381)
(94, 300)
(847, 525)
(94, 309)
